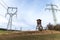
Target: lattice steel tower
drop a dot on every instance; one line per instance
(53, 11)
(11, 11)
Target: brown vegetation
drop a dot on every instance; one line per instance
(16, 35)
(53, 27)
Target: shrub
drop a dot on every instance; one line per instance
(57, 27)
(50, 27)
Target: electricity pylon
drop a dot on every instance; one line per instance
(20, 28)
(53, 11)
(11, 11)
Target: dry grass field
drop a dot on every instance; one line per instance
(30, 35)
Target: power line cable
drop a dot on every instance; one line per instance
(4, 3)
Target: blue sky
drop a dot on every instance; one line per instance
(28, 12)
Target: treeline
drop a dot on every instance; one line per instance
(53, 27)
